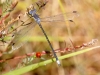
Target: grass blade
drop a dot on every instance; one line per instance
(34, 66)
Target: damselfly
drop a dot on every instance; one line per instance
(16, 42)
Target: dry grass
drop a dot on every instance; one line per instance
(86, 27)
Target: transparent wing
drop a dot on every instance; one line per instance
(22, 33)
(25, 30)
(69, 16)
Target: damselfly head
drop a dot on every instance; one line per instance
(30, 9)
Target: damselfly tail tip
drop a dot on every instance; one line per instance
(58, 62)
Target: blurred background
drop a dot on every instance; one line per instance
(84, 28)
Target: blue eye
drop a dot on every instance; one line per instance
(30, 12)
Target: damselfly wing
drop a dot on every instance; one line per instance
(60, 17)
(28, 25)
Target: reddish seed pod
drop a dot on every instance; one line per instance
(67, 49)
(38, 55)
